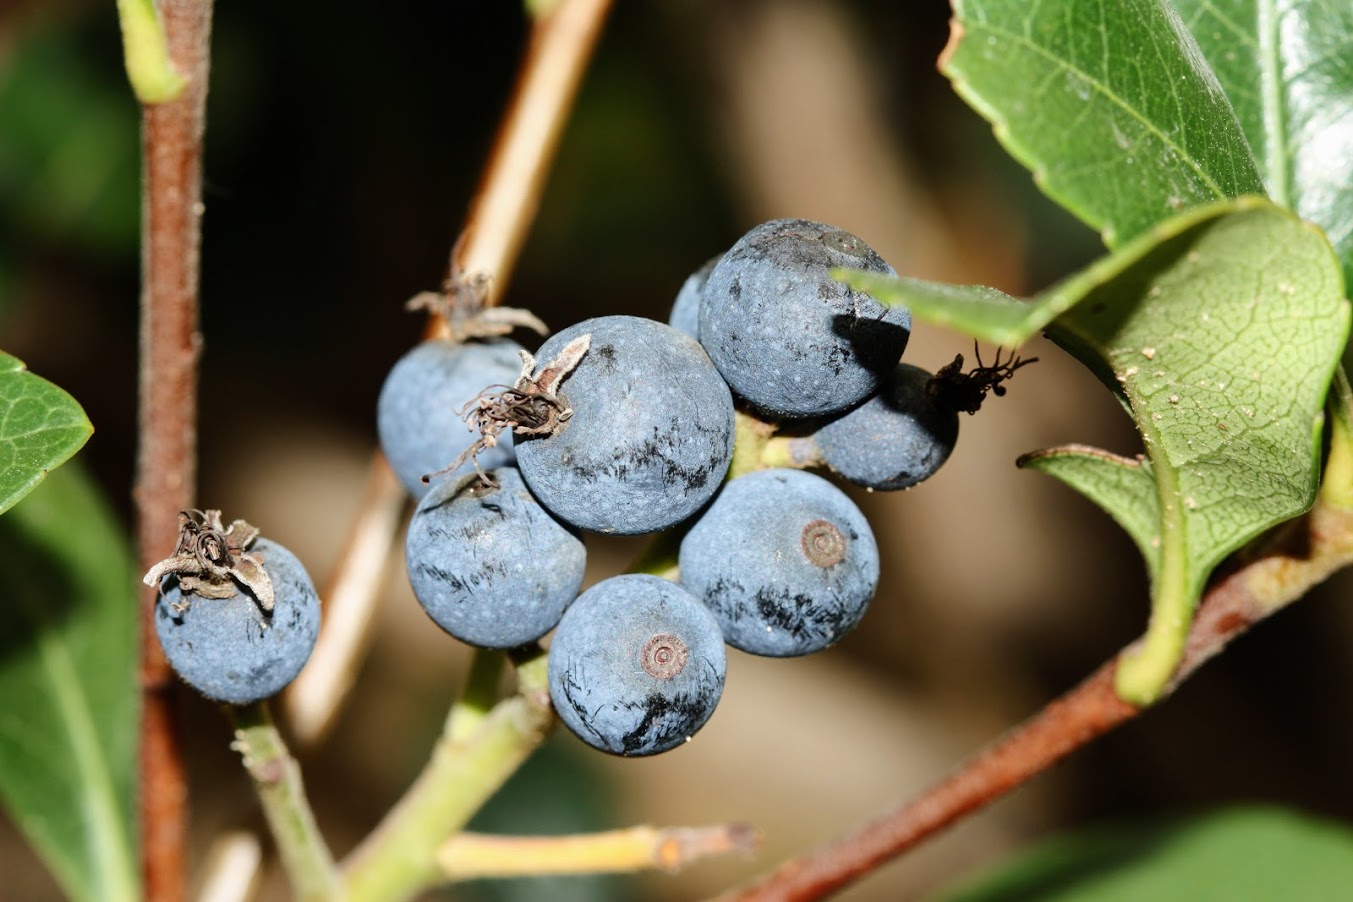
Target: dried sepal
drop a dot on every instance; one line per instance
(462, 307)
(530, 407)
(213, 561)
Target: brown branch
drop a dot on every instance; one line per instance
(1303, 555)
(482, 258)
(166, 466)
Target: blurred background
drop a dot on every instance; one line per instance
(342, 151)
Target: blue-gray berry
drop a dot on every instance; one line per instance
(784, 559)
(787, 336)
(894, 440)
(230, 649)
(489, 564)
(636, 666)
(416, 414)
(686, 308)
(650, 435)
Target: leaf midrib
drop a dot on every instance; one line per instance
(1277, 165)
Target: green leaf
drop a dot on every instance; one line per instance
(68, 688)
(1220, 329)
(1241, 855)
(1110, 105)
(1288, 68)
(40, 428)
(1125, 488)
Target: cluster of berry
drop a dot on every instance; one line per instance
(625, 425)
(621, 425)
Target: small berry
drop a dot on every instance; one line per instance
(649, 432)
(489, 564)
(230, 648)
(787, 336)
(686, 308)
(419, 412)
(787, 563)
(636, 666)
(896, 439)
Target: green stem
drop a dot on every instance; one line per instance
(399, 858)
(277, 778)
(479, 696)
(145, 49)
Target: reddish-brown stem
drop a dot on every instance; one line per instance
(1314, 548)
(167, 446)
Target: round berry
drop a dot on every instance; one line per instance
(894, 440)
(636, 666)
(784, 559)
(650, 435)
(231, 649)
(416, 415)
(489, 564)
(686, 308)
(787, 336)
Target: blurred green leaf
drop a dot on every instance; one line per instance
(68, 146)
(1241, 855)
(41, 426)
(68, 693)
(1221, 329)
(1110, 105)
(1287, 66)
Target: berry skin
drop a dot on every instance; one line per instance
(489, 564)
(636, 666)
(784, 559)
(686, 308)
(896, 439)
(420, 431)
(228, 649)
(650, 435)
(789, 338)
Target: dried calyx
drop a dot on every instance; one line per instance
(531, 406)
(213, 561)
(460, 304)
(953, 389)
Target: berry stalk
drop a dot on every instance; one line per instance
(277, 779)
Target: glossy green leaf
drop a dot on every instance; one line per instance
(1108, 102)
(1221, 329)
(68, 691)
(1287, 66)
(1240, 855)
(40, 428)
(1125, 488)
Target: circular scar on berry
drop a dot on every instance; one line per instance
(664, 656)
(823, 543)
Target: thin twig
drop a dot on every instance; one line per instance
(399, 858)
(1308, 551)
(166, 465)
(277, 779)
(504, 206)
(311, 703)
(233, 870)
(475, 856)
(510, 189)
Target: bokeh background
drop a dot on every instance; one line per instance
(343, 146)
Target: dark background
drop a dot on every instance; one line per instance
(342, 151)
